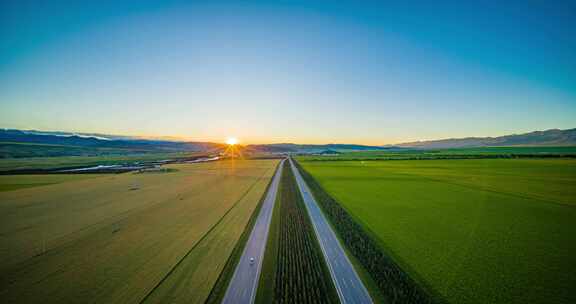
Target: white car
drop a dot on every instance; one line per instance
(251, 261)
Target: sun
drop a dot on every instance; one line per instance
(232, 141)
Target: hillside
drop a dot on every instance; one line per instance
(297, 148)
(30, 143)
(553, 137)
(17, 143)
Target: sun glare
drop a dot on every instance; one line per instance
(232, 141)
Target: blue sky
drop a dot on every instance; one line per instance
(289, 71)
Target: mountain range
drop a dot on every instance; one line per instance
(32, 143)
(552, 137)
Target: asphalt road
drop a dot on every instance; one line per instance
(242, 287)
(348, 284)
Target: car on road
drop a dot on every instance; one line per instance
(251, 261)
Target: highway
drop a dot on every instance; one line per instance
(242, 287)
(348, 284)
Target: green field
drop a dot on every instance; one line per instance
(482, 152)
(26, 150)
(473, 231)
(15, 182)
(127, 238)
(33, 163)
(293, 268)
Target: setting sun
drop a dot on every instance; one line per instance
(232, 141)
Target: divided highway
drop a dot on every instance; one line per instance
(348, 284)
(242, 286)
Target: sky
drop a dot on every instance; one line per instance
(367, 72)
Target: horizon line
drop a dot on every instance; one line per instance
(181, 138)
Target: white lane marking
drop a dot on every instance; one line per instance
(268, 220)
(271, 195)
(340, 294)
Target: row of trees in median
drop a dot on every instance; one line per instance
(301, 275)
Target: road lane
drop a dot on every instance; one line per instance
(348, 284)
(242, 286)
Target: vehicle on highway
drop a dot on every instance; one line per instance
(251, 261)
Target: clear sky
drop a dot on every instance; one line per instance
(289, 71)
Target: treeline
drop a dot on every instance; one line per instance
(395, 285)
(301, 273)
(445, 156)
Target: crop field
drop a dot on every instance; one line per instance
(472, 231)
(15, 182)
(34, 163)
(482, 152)
(294, 270)
(127, 238)
(25, 150)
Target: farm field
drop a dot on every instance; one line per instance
(481, 152)
(34, 163)
(127, 238)
(15, 182)
(294, 270)
(25, 150)
(473, 231)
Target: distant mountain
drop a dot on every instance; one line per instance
(27, 143)
(553, 137)
(69, 134)
(102, 136)
(296, 148)
(17, 143)
(31, 143)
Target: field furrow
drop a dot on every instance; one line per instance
(469, 231)
(112, 239)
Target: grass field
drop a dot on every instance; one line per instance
(15, 182)
(26, 149)
(293, 270)
(73, 161)
(483, 152)
(127, 238)
(474, 231)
